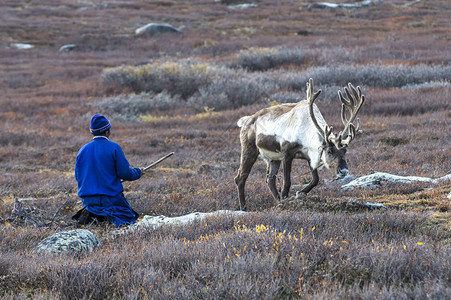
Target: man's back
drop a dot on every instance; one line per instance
(100, 166)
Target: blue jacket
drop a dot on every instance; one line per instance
(99, 168)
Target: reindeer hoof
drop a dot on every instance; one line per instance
(300, 195)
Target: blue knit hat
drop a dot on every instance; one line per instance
(99, 124)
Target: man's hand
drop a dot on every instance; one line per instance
(144, 171)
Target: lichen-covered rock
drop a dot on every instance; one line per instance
(67, 48)
(228, 2)
(154, 29)
(153, 222)
(379, 178)
(73, 241)
(21, 46)
(242, 6)
(365, 3)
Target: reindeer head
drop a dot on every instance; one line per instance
(334, 145)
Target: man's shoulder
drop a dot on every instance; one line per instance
(85, 146)
(113, 144)
(104, 145)
(108, 144)
(104, 140)
(96, 142)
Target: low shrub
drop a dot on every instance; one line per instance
(179, 78)
(419, 100)
(327, 93)
(130, 107)
(284, 97)
(381, 76)
(165, 85)
(428, 85)
(262, 59)
(230, 92)
(174, 83)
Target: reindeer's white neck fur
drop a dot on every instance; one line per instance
(294, 126)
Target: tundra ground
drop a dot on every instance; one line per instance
(184, 93)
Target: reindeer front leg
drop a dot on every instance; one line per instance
(313, 183)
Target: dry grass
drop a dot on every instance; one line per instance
(195, 88)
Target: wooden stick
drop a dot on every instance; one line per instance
(158, 161)
(155, 163)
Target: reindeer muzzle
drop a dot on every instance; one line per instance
(342, 173)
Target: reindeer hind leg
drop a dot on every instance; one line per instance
(248, 158)
(287, 165)
(273, 168)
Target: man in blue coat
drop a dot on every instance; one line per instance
(99, 169)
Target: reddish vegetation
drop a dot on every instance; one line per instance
(47, 98)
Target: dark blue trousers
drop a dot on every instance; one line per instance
(116, 209)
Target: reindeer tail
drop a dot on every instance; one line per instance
(242, 121)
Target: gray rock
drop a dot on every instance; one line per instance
(347, 179)
(341, 5)
(151, 222)
(408, 3)
(228, 2)
(379, 178)
(73, 241)
(21, 46)
(67, 48)
(241, 6)
(155, 29)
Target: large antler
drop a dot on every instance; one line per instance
(311, 98)
(353, 103)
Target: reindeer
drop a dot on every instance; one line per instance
(284, 132)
